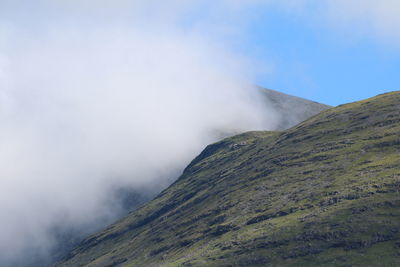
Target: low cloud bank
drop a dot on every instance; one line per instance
(88, 109)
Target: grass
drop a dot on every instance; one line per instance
(323, 193)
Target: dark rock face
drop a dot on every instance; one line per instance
(323, 193)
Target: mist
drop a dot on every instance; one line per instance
(94, 102)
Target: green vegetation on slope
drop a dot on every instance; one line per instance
(323, 193)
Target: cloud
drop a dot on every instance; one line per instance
(95, 96)
(375, 19)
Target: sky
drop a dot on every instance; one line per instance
(99, 95)
(325, 63)
(329, 51)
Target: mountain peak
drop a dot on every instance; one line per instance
(291, 109)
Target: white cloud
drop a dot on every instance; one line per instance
(377, 19)
(92, 100)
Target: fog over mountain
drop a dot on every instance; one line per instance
(94, 100)
(88, 109)
(322, 193)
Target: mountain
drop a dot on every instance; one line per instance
(67, 236)
(323, 193)
(290, 109)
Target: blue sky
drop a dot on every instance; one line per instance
(347, 52)
(331, 51)
(319, 63)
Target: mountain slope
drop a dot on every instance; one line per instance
(291, 109)
(325, 192)
(128, 199)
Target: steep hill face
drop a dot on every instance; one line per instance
(323, 193)
(128, 199)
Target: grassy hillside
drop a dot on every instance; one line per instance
(128, 199)
(323, 193)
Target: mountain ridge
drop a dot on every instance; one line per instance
(324, 192)
(125, 198)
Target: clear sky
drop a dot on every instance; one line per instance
(320, 62)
